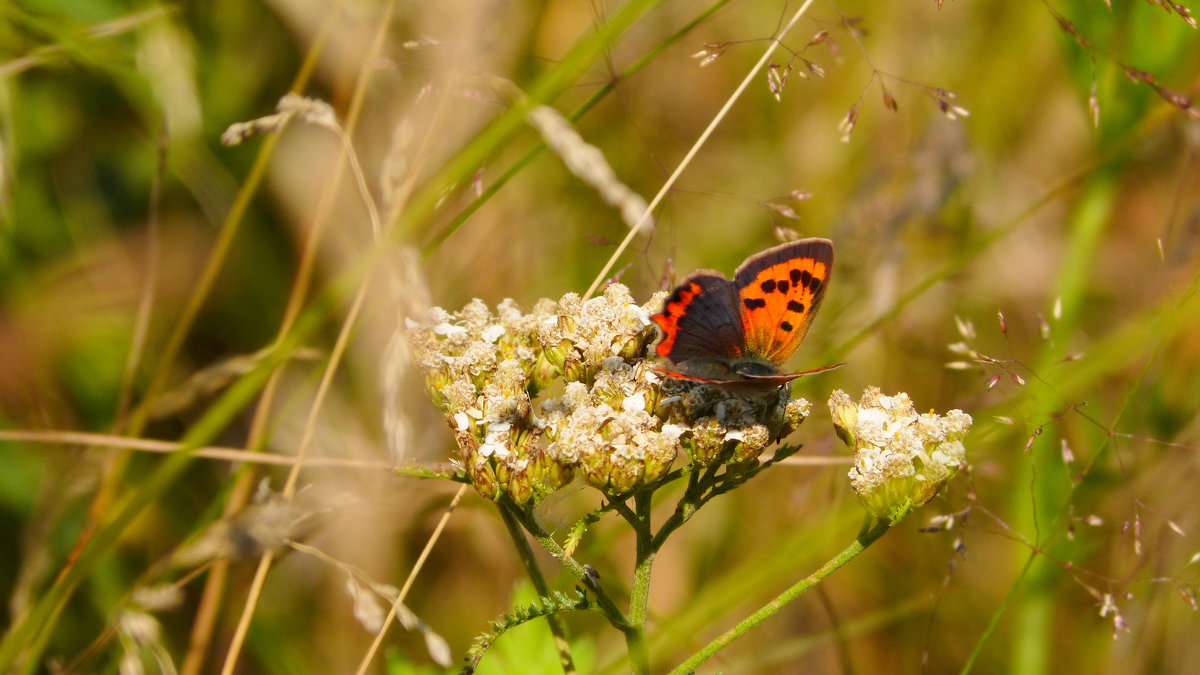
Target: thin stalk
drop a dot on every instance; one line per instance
(408, 583)
(995, 620)
(458, 169)
(539, 583)
(1037, 513)
(490, 191)
(695, 149)
(865, 538)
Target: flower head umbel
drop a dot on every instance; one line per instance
(481, 369)
(617, 422)
(901, 458)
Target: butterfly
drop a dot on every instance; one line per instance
(738, 333)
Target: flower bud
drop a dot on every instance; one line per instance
(482, 477)
(708, 440)
(845, 416)
(634, 347)
(794, 414)
(543, 373)
(751, 441)
(521, 485)
(557, 354)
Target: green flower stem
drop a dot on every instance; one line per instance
(539, 583)
(635, 640)
(639, 597)
(639, 654)
(869, 534)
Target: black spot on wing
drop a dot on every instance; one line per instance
(786, 326)
(768, 286)
(819, 250)
(794, 306)
(783, 286)
(754, 303)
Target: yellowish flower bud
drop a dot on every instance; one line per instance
(708, 440)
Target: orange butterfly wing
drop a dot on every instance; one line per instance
(779, 292)
(700, 319)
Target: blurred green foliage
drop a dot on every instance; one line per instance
(1022, 204)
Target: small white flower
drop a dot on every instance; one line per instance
(492, 333)
(634, 403)
(673, 431)
(493, 449)
(448, 329)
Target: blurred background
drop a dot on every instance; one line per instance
(978, 158)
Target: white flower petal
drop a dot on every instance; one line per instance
(492, 333)
(446, 330)
(634, 403)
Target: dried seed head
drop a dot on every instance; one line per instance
(965, 328)
(1094, 105)
(846, 126)
(889, 101)
(587, 163)
(265, 525)
(776, 79)
(1067, 455)
(783, 210)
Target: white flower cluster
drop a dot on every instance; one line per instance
(480, 369)
(901, 458)
(586, 332)
(617, 422)
(607, 430)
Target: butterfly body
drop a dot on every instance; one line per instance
(738, 333)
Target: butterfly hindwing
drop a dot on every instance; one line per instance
(700, 319)
(779, 291)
